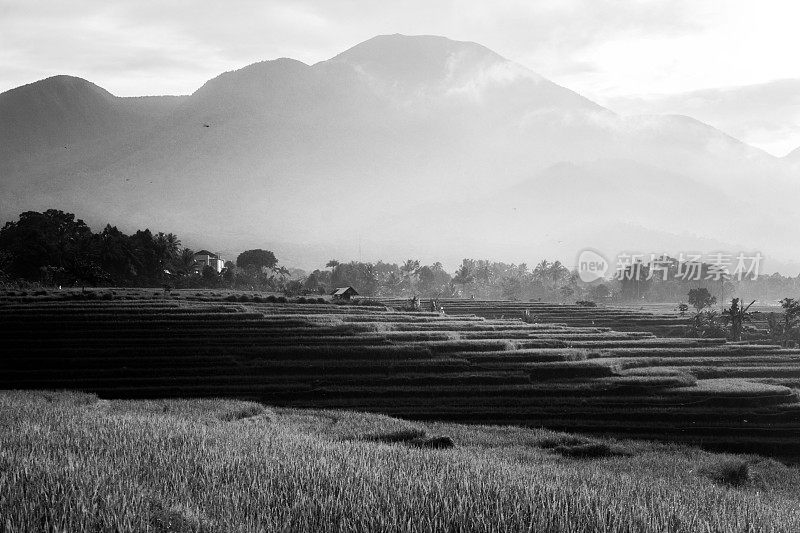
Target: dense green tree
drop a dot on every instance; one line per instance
(700, 298)
(53, 240)
(256, 259)
(361, 276)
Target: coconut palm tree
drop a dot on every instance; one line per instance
(184, 262)
(541, 270)
(167, 246)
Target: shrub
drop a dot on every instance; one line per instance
(412, 437)
(437, 443)
(403, 435)
(561, 440)
(271, 299)
(281, 300)
(586, 303)
(581, 447)
(731, 472)
(231, 298)
(247, 411)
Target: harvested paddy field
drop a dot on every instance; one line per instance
(416, 365)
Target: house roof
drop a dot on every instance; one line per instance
(343, 290)
(206, 252)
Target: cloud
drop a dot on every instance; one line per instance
(766, 115)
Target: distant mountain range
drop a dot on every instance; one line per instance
(400, 146)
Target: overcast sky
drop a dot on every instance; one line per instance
(731, 63)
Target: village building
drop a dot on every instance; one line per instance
(205, 258)
(344, 293)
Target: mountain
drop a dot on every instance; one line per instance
(402, 143)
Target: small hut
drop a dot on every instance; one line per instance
(344, 293)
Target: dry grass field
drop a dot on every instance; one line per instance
(73, 462)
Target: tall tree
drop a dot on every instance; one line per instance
(256, 259)
(52, 240)
(464, 275)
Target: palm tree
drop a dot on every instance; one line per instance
(409, 269)
(541, 271)
(184, 262)
(557, 272)
(167, 246)
(463, 275)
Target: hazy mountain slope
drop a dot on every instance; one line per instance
(325, 153)
(612, 205)
(56, 111)
(62, 110)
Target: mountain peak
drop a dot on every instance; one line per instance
(413, 60)
(255, 78)
(420, 47)
(55, 111)
(55, 86)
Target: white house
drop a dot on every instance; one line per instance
(204, 257)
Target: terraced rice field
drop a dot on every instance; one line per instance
(661, 321)
(423, 366)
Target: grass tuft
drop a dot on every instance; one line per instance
(436, 443)
(394, 437)
(591, 450)
(730, 472)
(240, 413)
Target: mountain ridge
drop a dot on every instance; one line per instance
(320, 153)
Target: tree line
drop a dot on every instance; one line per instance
(56, 248)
